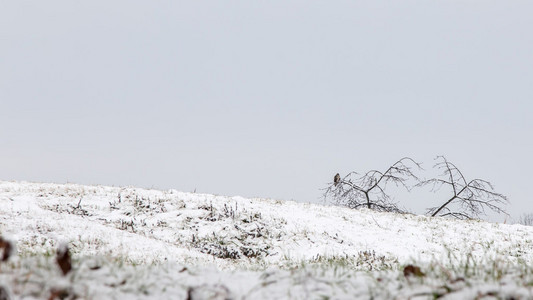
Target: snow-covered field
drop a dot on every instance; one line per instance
(133, 243)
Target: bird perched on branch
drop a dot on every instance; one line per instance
(336, 179)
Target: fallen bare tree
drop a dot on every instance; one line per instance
(469, 198)
(369, 190)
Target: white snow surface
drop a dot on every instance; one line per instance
(130, 242)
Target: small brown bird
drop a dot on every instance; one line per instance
(336, 179)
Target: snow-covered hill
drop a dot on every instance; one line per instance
(132, 242)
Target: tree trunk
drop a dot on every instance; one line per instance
(368, 204)
(443, 206)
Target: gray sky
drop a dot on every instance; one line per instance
(265, 98)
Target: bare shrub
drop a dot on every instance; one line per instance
(469, 199)
(526, 219)
(369, 190)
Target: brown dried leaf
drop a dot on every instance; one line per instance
(63, 259)
(411, 270)
(7, 246)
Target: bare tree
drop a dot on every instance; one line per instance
(526, 219)
(368, 190)
(469, 198)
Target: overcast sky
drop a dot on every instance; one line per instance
(265, 98)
